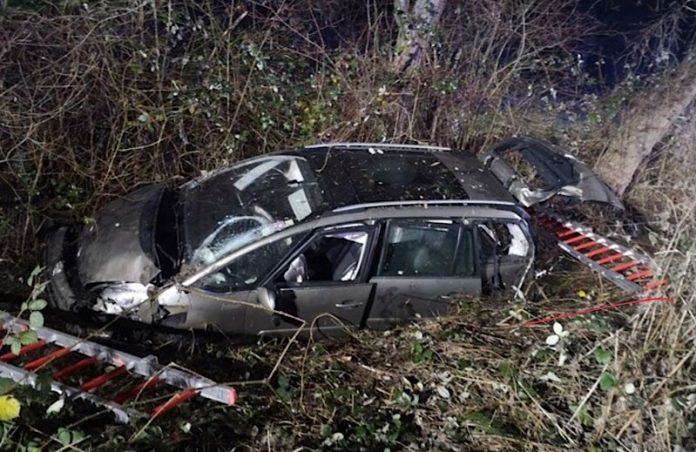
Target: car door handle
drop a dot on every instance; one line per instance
(348, 304)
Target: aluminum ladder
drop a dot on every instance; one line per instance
(624, 267)
(54, 347)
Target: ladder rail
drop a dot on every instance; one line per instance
(146, 367)
(122, 414)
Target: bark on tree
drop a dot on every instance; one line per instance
(646, 124)
(416, 20)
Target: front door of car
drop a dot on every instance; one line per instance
(425, 265)
(322, 285)
(225, 299)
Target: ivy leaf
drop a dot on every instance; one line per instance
(607, 381)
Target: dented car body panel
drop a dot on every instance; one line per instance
(119, 245)
(364, 235)
(550, 171)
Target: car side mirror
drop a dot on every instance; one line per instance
(267, 297)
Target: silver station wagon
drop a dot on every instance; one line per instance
(363, 235)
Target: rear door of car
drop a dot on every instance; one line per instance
(424, 266)
(323, 283)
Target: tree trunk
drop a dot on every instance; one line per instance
(416, 20)
(647, 123)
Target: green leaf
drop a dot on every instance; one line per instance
(14, 348)
(602, 355)
(36, 319)
(34, 273)
(506, 369)
(583, 415)
(528, 389)
(64, 436)
(28, 337)
(361, 432)
(607, 381)
(43, 382)
(419, 353)
(484, 421)
(463, 363)
(6, 385)
(38, 304)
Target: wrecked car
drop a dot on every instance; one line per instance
(364, 235)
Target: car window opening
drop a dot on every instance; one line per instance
(504, 239)
(336, 257)
(417, 248)
(250, 268)
(501, 243)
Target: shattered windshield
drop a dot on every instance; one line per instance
(242, 204)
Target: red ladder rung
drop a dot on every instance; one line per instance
(577, 239)
(640, 275)
(655, 284)
(104, 378)
(128, 394)
(39, 362)
(89, 361)
(9, 356)
(611, 258)
(597, 252)
(586, 245)
(176, 400)
(567, 233)
(624, 266)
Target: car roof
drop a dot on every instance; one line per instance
(373, 173)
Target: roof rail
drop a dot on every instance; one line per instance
(437, 202)
(384, 146)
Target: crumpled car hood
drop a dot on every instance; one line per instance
(119, 245)
(558, 173)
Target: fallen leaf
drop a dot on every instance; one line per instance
(552, 340)
(56, 406)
